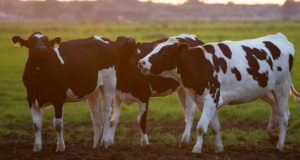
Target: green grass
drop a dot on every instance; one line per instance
(18, 132)
(15, 111)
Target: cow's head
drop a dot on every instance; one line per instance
(126, 44)
(163, 57)
(127, 50)
(39, 46)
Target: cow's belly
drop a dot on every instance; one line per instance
(162, 86)
(72, 97)
(234, 92)
(126, 98)
(82, 88)
(154, 93)
(239, 97)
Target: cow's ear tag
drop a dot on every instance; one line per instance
(138, 51)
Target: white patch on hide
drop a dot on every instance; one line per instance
(100, 39)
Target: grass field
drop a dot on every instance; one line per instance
(14, 110)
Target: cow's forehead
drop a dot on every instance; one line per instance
(38, 35)
(157, 49)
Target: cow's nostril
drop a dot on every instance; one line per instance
(141, 64)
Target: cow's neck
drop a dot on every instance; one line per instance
(44, 75)
(127, 71)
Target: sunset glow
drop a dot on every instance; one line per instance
(177, 2)
(59, 0)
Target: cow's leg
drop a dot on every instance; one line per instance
(281, 94)
(142, 121)
(59, 125)
(95, 109)
(209, 109)
(215, 125)
(114, 120)
(107, 97)
(189, 109)
(37, 126)
(269, 98)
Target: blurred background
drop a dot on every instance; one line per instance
(145, 10)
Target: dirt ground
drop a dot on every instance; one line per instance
(79, 144)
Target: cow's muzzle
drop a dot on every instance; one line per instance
(142, 65)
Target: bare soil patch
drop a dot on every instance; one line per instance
(79, 144)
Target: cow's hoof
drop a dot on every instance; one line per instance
(110, 142)
(185, 140)
(96, 144)
(280, 148)
(144, 143)
(144, 140)
(105, 144)
(197, 149)
(37, 147)
(60, 148)
(219, 149)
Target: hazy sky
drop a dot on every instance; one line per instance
(280, 2)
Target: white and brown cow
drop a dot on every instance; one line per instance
(230, 72)
(133, 86)
(77, 70)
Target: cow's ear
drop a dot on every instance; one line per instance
(18, 40)
(182, 46)
(139, 44)
(54, 41)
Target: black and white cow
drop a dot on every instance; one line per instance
(229, 72)
(77, 70)
(133, 86)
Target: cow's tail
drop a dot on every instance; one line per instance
(294, 92)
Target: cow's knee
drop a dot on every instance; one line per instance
(58, 124)
(201, 130)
